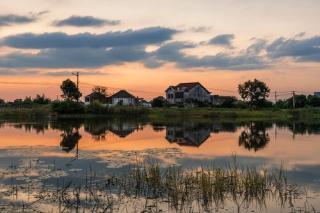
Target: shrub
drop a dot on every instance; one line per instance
(96, 108)
(67, 107)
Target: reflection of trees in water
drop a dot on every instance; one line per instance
(70, 133)
(254, 136)
(70, 140)
(37, 127)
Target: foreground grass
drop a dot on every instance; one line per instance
(169, 189)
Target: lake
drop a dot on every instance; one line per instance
(46, 166)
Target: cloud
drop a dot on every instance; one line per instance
(200, 29)
(307, 49)
(222, 40)
(145, 36)
(74, 57)
(172, 52)
(11, 72)
(8, 20)
(68, 73)
(85, 21)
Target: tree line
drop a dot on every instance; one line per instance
(253, 94)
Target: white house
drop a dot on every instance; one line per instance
(184, 92)
(123, 98)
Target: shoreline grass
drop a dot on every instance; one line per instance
(165, 114)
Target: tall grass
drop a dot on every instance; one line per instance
(170, 189)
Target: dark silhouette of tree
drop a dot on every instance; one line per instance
(158, 102)
(70, 139)
(70, 91)
(254, 137)
(41, 99)
(254, 92)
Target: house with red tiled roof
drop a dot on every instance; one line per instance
(187, 92)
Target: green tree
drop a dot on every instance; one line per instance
(70, 90)
(41, 99)
(254, 92)
(99, 94)
(158, 102)
(313, 101)
(100, 90)
(300, 101)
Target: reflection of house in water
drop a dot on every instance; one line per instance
(123, 129)
(187, 136)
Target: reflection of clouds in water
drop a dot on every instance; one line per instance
(111, 158)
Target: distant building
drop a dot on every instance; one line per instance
(96, 97)
(143, 103)
(123, 98)
(186, 92)
(317, 94)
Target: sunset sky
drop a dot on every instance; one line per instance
(145, 45)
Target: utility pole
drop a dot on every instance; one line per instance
(77, 74)
(275, 96)
(293, 99)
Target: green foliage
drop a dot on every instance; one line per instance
(254, 92)
(67, 107)
(229, 102)
(41, 99)
(100, 90)
(70, 90)
(158, 102)
(96, 108)
(313, 101)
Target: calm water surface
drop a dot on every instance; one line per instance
(36, 153)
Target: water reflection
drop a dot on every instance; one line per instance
(255, 136)
(191, 135)
(252, 136)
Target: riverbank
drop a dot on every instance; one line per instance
(167, 114)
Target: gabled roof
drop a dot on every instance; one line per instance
(122, 94)
(188, 86)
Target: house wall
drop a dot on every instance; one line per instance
(196, 93)
(125, 101)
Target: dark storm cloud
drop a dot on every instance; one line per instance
(222, 40)
(85, 21)
(8, 20)
(146, 36)
(307, 49)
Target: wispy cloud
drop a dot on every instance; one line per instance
(85, 21)
(11, 19)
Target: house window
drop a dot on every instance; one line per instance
(170, 96)
(179, 95)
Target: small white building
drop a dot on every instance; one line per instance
(123, 98)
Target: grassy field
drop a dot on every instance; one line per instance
(165, 114)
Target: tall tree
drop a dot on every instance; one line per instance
(100, 90)
(70, 90)
(254, 92)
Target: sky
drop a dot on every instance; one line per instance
(145, 45)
